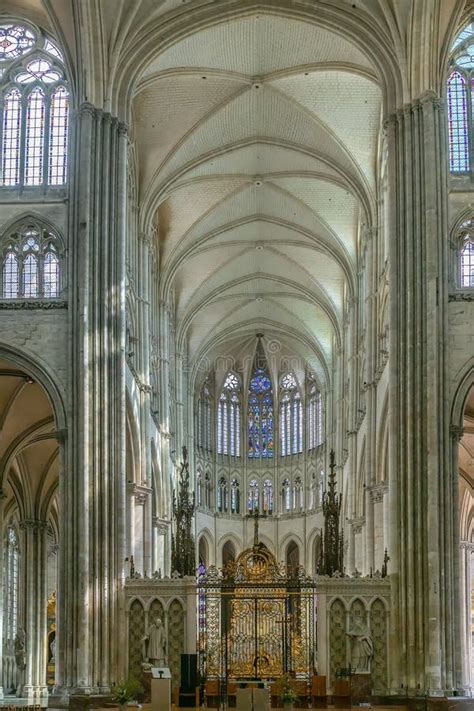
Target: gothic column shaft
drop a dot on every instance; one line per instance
(420, 501)
(35, 600)
(93, 505)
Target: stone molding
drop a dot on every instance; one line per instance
(28, 304)
(461, 296)
(467, 546)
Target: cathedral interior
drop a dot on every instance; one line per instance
(237, 351)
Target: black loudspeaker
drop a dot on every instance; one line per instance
(189, 673)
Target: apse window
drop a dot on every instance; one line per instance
(34, 109)
(31, 263)
(459, 95)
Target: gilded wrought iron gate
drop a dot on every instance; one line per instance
(255, 620)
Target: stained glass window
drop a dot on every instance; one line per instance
(11, 580)
(10, 275)
(467, 263)
(34, 138)
(228, 417)
(315, 417)
(291, 417)
(298, 494)
(51, 274)
(199, 484)
(58, 136)
(234, 496)
(458, 124)
(30, 264)
(39, 92)
(11, 138)
(260, 415)
(204, 419)
(222, 503)
(253, 495)
(268, 496)
(465, 239)
(286, 495)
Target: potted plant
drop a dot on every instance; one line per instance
(125, 691)
(288, 693)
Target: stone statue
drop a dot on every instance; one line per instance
(20, 659)
(20, 649)
(156, 637)
(362, 648)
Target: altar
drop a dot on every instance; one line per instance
(256, 620)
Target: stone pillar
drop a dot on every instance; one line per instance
(423, 643)
(91, 571)
(34, 553)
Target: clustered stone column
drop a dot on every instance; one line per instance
(93, 496)
(425, 603)
(34, 547)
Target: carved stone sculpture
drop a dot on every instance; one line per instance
(155, 649)
(362, 648)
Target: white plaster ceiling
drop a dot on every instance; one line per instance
(257, 149)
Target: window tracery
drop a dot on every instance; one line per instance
(228, 417)
(31, 263)
(34, 109)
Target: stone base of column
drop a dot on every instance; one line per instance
(2, 696)
(35, 691)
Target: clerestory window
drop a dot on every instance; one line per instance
(34, 109)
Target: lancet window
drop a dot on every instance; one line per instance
(291, 416)
(253, 495)
(222, 496)
(460, 101)
(315, 417)
(31, 263)
(204, 429)
(465, 251)
(34, 109)
(260, 415)
(11, 583)
(234, 497)
(286, 495)
(229, 417)
(268, 496)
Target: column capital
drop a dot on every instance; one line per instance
(33, 524)
(456, 432)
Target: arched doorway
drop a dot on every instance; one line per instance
(30, 530)
(466, 534)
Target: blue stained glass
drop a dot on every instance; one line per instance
(458, 124)
(260, 416)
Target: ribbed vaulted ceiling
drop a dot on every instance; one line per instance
(257, 146)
